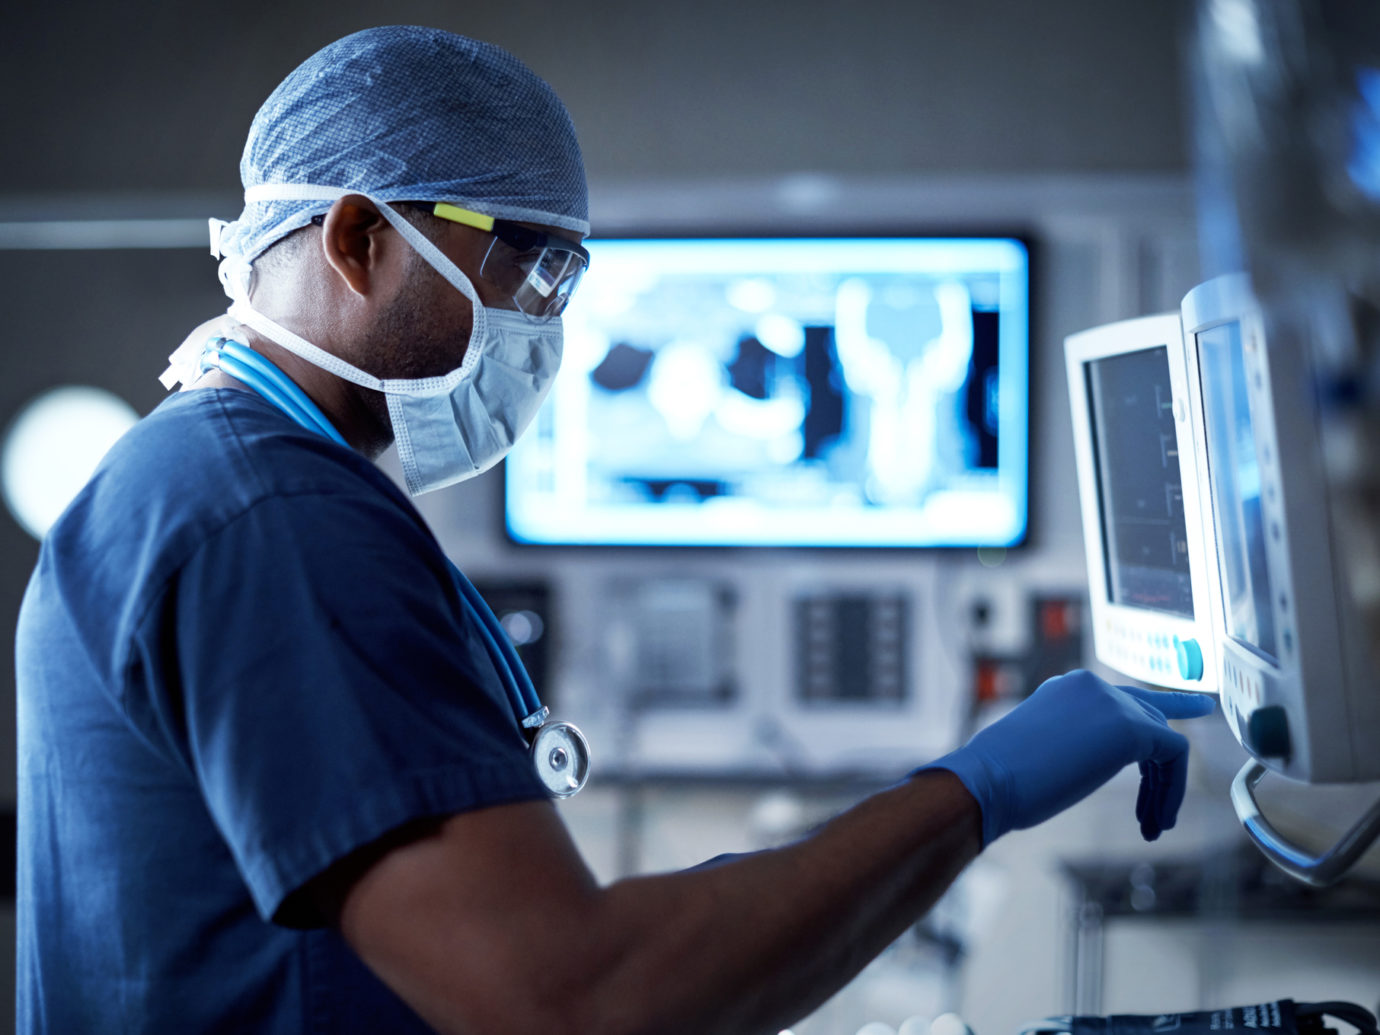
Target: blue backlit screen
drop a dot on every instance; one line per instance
(850, 392)
(1140, 491)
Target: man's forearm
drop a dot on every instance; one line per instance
(759, 941)
(493, 922)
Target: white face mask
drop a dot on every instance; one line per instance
(447, 428)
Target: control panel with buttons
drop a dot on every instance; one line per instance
(1162, 653)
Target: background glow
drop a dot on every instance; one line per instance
(52, 448)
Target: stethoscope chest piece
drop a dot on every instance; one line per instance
(560, 755)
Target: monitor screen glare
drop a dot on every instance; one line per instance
(1140, 490)
(1234, 475)
(785, 392)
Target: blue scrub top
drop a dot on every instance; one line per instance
(240, 658)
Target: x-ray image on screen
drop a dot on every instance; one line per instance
(1140, 489)
(785, 392)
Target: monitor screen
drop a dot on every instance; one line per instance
(785, 392)
(1234, 479)
(1140, 490)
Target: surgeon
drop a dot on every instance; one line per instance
(270, 777)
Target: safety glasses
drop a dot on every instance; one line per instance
(539, 271)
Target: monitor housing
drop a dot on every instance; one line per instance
(1149, 561)
(775, 391)
(1294, 672)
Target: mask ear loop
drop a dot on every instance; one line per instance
(419, 242)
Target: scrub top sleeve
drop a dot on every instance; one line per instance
(333, 689)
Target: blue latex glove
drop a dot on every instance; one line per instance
(1071, 736)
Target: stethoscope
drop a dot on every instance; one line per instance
(560, 753)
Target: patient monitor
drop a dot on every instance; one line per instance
(1148, 558)
(1207, 524)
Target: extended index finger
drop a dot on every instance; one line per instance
(1174, 704)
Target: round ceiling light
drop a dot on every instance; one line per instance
(52, 448)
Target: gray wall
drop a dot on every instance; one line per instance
(154, 97)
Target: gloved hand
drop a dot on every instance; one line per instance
(1071, 736)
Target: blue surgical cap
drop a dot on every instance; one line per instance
(404, 113)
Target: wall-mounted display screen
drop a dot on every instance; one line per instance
(1140, 489)
(1234, 469)
(785, 392)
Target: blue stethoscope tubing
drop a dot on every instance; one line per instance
(247, 366)
(251, 369)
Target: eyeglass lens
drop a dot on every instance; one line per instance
(539, 281)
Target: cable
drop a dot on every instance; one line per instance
(1357, 1016)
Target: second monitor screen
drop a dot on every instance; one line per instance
(1140, 490)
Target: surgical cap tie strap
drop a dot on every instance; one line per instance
(217, 227)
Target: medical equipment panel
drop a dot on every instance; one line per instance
(852, 648)
(1148, 558)
(1296, 684)
(679, 634)
(841, 391)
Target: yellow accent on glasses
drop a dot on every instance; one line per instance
(538, 270)
(464, 216)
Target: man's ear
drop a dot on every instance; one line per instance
(351, 239)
